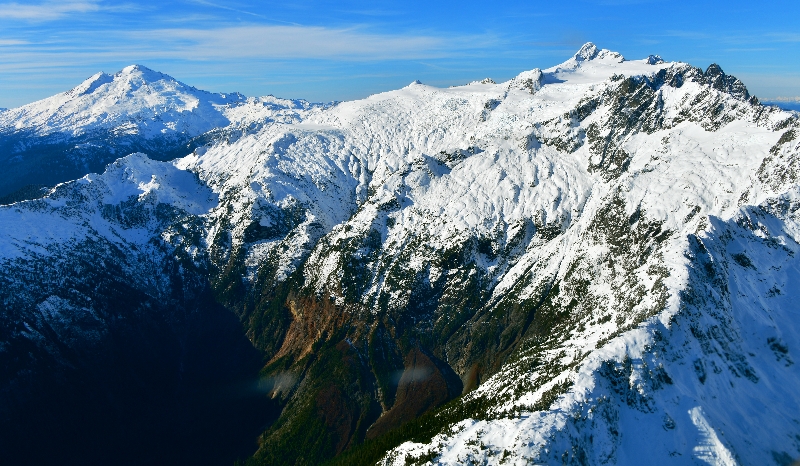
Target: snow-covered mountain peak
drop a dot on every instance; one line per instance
(530, 81)
(130, 99)
(138, 176)
(725, 82)
(714, 70)
(587, 52)
(143, 70)
(593, 65)
(91, 84)
(589, 56)
(139, 75)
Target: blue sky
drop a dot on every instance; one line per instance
(339, 50)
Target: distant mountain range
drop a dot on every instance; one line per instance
(108, 116)
(792, 105)
(594, 263)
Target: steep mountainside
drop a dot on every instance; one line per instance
(107, 116)
(113, 350)
(588, 264)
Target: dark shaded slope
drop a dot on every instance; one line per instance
(30, 159)
(102, 372)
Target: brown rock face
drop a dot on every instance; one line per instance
(344, 375)
(312, 319)
(425, 383)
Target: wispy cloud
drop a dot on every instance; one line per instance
(238, 10)
(625, 2)
(744, 38)
(46, 11)
(255, 59)
(785, 99)
(750, 49)
(373, 12)
(299, 42)
(238, 43)
(231, 44)
(786, 37)
(682, 34)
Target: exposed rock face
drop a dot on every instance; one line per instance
(534, 271)
(424, 384)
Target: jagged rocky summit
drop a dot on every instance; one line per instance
(594, 263)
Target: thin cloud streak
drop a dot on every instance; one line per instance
(734, 38)
(244, 12)
(785, 99)
(751, 49)
(230, 44)
(786, 37)
(299, 42)
(626, 2)
(47, 11)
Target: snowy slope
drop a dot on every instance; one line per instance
(441, 166)
(603, 252)
(106, 324)
(708, 359)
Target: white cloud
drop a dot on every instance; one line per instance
(785, 99)
(245, 12)
(786, 37)
(46, 11)
(750, 49)
(270, 42)
(237, 44)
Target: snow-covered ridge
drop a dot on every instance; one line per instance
(33, 227)
(648, 206)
